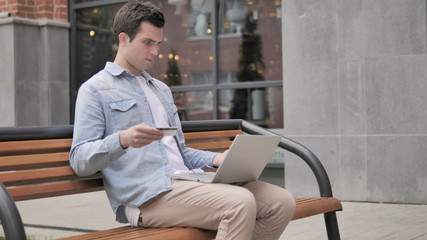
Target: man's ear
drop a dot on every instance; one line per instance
(123, 38)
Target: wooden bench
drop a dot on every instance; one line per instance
(34, 163)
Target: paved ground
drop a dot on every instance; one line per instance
(367, 221)
(65, 216)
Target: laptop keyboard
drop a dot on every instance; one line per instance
(204, 176)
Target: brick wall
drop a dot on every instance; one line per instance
(36, 9)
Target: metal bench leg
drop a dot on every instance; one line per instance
(332, 226)
(9, 216)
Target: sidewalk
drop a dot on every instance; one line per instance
(75, 214)
(367, 221)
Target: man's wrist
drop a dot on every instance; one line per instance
(214, 160)
(122, 140)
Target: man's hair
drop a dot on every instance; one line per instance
(130, 16)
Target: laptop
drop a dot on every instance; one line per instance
(245, 161)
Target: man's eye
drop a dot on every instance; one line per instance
(151, 43)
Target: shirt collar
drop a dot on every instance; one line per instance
(116, 70)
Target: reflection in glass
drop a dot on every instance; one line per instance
(83, 1)
(264, 105)
(199, 23)
(192, 61)
(193, 48)
(194, 105)
(94, 41)
(173, 74)
(251, 68)
(232, 16)
(249, 51)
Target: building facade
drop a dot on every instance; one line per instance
(355, 73)
(346, 78)
(34, 64)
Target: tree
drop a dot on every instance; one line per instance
(173, 77)
(251, 67)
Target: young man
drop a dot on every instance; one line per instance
(117, 112)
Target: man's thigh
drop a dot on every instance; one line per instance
(266, 192)
(192, 204)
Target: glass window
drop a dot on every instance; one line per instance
(200, 19)
(250, 52)
(250, 40)
(83, 1)
(94, 42)
(263, 106)
(194, 105)
(222, 59)
(184, 60)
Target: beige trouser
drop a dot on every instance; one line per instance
(254, 210)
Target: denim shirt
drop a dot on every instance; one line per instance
(111, 101)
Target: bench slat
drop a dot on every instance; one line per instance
(35, 146)
(21, 162)
(128, 232)
(211, 135)
(307, 207)
(55, 189)
(39, 176)
(211, 146)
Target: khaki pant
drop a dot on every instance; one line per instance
(254, 210)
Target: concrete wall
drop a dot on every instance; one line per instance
(7, 76)
(355, 78)
(34, 82)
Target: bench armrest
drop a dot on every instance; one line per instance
(301, 151)
(10, 217)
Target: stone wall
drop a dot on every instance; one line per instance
(34, 83)
(36, 9)
(355, 77)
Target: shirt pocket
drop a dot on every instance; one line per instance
(124, 113)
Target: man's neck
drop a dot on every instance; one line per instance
(123, 64)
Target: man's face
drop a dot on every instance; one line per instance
(140, 53)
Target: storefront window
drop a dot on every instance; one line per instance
(262, 106)
(222, 59)
(94, 41)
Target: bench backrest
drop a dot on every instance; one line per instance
(32, 169)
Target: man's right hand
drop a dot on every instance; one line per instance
(139, 136)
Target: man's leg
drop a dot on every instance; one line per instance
(228, 208)
(275, 209)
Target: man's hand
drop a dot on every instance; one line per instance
(139, 136)
(217, 160)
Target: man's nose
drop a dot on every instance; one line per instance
(155, 50)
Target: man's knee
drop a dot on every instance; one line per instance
(285, 203)
(243, 200)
